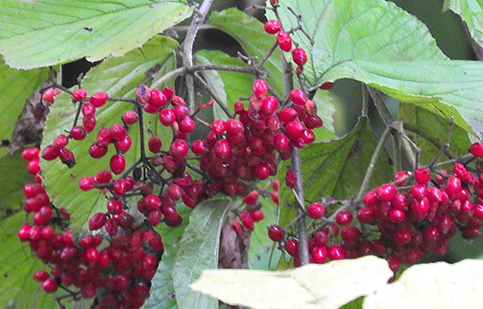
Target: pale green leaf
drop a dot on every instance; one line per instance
(471, 11)
(13, 177)
(118, 77)
(455, 83)
(326, 286)
(42, 33)
(198, 250)
(432, 286)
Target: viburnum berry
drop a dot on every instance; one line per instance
(422, 175)
(98, 150)
(49, 94)
(476, 149)
(290, 179)
(154, 144)
(88, 110)
(61, 141)
(386, 192)
(28, 154)
(401, 178)
(130, 117)
(284, 41)
(50, 153)
(86, 183)
(299, 56)
(335, 252)
(79, 95)
(186, 125)
(199, 147)
(344, 217)
(97, 221)
(298, 96)
(98, 99)
(272, 26)
(117, 164)
(315, 211)
(50, 285)
(260, 88)
(319, 255)
(292, 247)
(275, 232)
(179, 148)
(78, 133)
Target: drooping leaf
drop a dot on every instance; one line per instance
(336, 168)
(118, 77)
(198, 250)
(13, 177)
(243, 27)
(471, 11)
(326, 286)
(229, 86)
(38, 34)
(15, 88)
(162, 291)
(437, 285)
(380, 44)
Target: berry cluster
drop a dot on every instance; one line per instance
(284, 41)
(401, 221)
(116, 269)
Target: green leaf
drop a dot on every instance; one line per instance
(242, 27)
(336, 168)
(17, 288)
(307, 287)
(13, 178)
(43, 33)
(429, 131)
(15, 87)
(344, 31)
(162, 291)
(118, 77)
(454, 83)
(471, 11)
(229, 86)
(437, 285)
(198, 250)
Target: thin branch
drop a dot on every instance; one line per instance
(214, 96)
(196, 23)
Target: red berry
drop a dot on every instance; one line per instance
(292, 247)
(130, 117)
(158, 98)
(49, 285)
(401, 178)
(50, 153)
(386, 192)
(86, 183)
(97, 221)
(260, 88)
(199, 147)
(79, 95)
(251, 197)
(49, 94)
(222, 148)
(477, 150)
(61, 141)
(124, 144)
(261, 170)
(344, 217)
(275, 232)
(269, 106)
(247, 221)
(319, 255)
(97, 150)
(299, 56)
(40, 275)
(272, 26)
(28, 154)
(154, 144)
(117, 164)
(335, 252)
(186, 125)
(143, 93)
(179, 148)
(284, 41)
(422, 175)
(98, 99)
(167, 117)
(88, 110)
(78, 133)
(315, 211)
(298, 97)
(290, 179)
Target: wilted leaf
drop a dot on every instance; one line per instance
(432, 286)
(311, 286)
(42, 33)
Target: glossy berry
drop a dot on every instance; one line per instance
(78, 133)
(98, 99)
(117, 164)
(386, 192)
(158, 98)
(298, 96)
(86, 183)
(299, 56)
(49, 94)
(284, 41)
(272, 26)
(49, 285)
(401, 178)
(315, 211)
(292, 247)
(290, 179)
(344, 217)
(260, 88)
(97, 221)
(422, 175)
(154, 144)
(79, 95)
(319, 255)
(476, 149)
(97, 150)
(130, 117)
